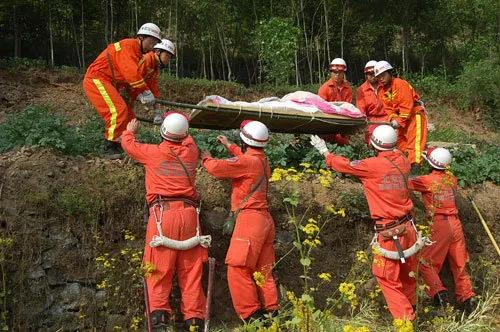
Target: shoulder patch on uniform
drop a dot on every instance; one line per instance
(232, 160)
(355, 162)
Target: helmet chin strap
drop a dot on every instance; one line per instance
(243, 145)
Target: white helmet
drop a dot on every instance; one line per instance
(166, 45)
(150, 29)
(174, 127)
(338, 64)
(369, 65)
(382, 66)
(255, 133)
(384, 138)
(438, 158)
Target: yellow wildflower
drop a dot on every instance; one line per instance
(134, 323)
(361, 256)
(325, 276)
(311, 228)
(305, 165)
(312, 243)
(403, 325)
(259, 278)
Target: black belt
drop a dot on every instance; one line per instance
(165, 201)
(391, 224)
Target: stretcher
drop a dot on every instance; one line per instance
(298, 113)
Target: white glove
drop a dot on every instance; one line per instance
(158, 119)
(319, 144)
(147, 97)
(394, 124)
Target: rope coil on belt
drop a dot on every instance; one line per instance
(421, 242)
(161, 240)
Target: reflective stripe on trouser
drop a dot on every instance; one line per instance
(178, 223)
(413, 137)
(395, 279)
(449, 242)
(251, 250)
(110, 106)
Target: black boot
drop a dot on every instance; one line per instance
(257, 315)
(469, 305)
(441, 299)
(112, 150)
(195, 324)
(159, 320)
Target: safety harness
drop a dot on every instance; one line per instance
(396, 228)
(159, 204)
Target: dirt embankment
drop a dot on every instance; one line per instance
(64, 212)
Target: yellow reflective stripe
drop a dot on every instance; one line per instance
(418, 138)
(118, 47)
(140, 62)
(137, 83)
(111, 106)
(403, 115)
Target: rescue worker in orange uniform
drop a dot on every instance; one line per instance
(368, 102)
(337, 88)
(173, 220)
(251, 249)
(439, 190)
(118, 65)
(404, 110)
(384, 180)
(149, 68)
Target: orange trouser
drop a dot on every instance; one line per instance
(449, 243)
(110, 106)
(179, 223)
(251, 250)
(413, 137)
(395, 279)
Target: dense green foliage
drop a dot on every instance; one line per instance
(38, 126)
(217, 39)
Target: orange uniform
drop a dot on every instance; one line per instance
(368, 102)
(251, 248)
(388, 200)
(166, 178)
(149, 69)
(116, 66)
(330, 91)
(401, 103)
(438, 192)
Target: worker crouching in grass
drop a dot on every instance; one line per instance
(439, 190)
(250, 257)
(173, 241)
(384, 178)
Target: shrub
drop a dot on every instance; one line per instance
(478, 88)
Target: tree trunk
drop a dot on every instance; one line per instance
(177, 38)
(308, 58)
(403, 49)
(106, 24)
(211, 59)
(17, 44)
(111, 28)
(136, 20)
(75, 36)
(83, 38)
(203, 63)
(344, 5)
(297, 72)
(51, 39)
(318, 55)
(327, 30)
